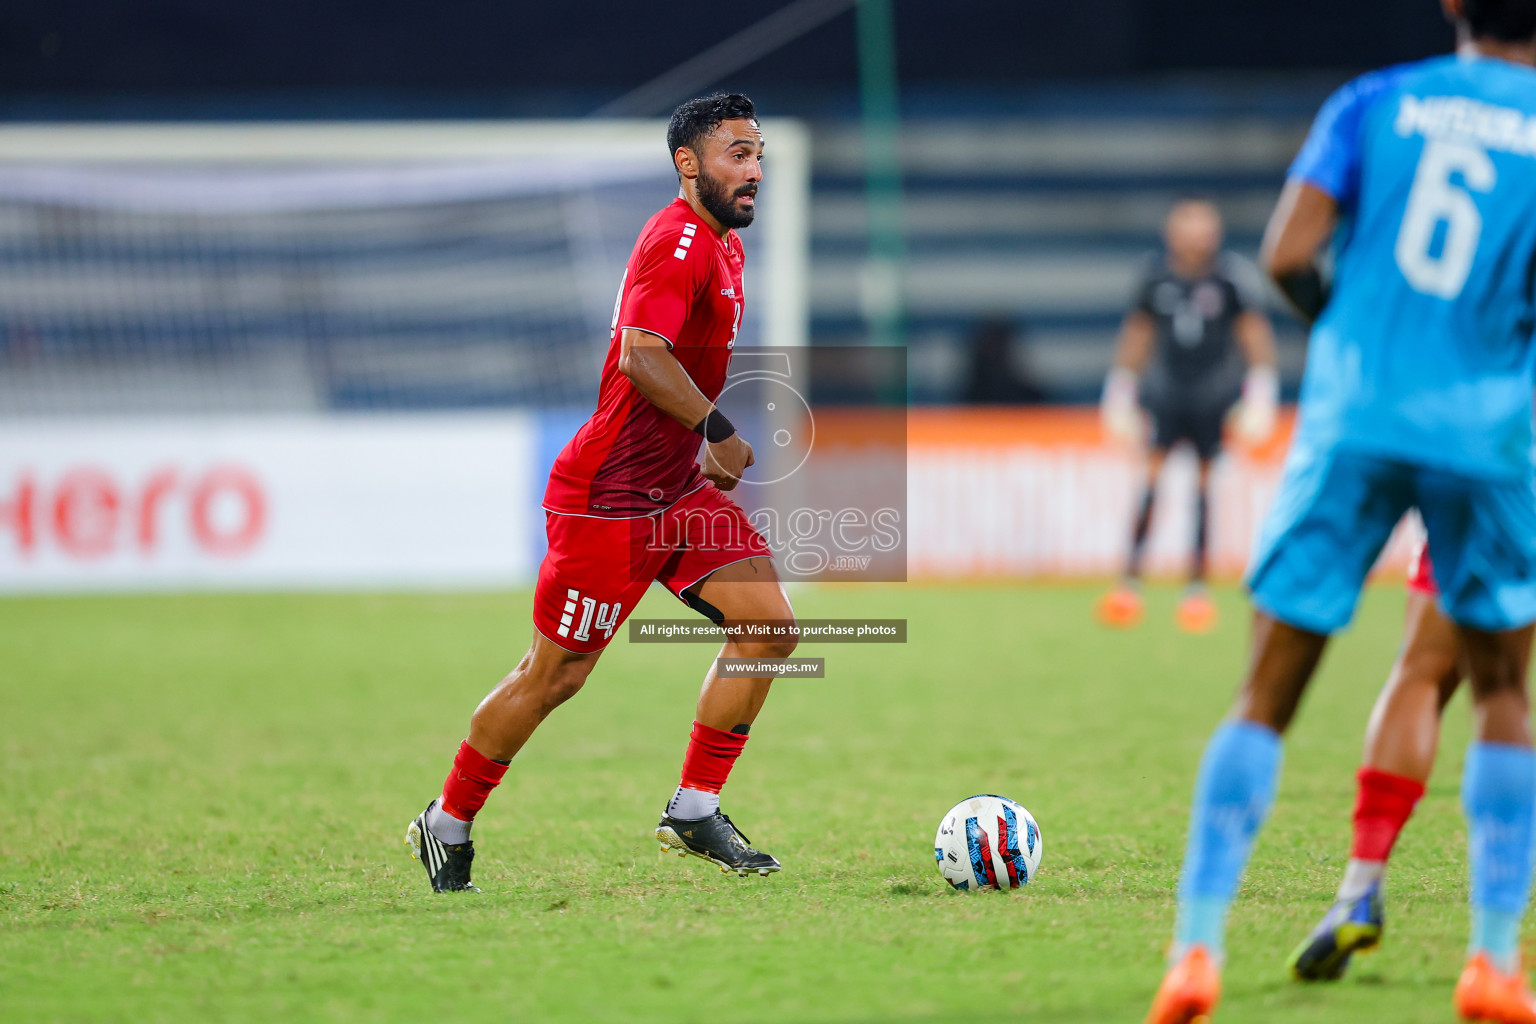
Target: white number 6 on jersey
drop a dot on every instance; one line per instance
(1433, 201)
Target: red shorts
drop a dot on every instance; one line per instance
(597, 570)
(1421, 574)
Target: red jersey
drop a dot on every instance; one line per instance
(682, 283)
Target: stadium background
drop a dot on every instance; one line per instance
(221, 321)
(196, 356)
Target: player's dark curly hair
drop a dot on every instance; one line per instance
(1510, 21)
(695, 119)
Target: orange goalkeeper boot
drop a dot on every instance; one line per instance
(1190, 990)
(1485, 993)
(1120, 608)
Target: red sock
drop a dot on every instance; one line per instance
(1382, 807)
(473, 777)
(710, 755)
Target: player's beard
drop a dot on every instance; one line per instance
(721, 202)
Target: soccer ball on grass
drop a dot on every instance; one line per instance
(987, 842)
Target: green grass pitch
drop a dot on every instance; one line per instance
(204, 800)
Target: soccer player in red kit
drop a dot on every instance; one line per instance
(1400, 745)
(628, 504)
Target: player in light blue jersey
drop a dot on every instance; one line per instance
(1418, 393)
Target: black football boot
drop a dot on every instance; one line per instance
(447, 866)
(716, 840)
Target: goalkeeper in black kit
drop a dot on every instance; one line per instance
(1197, 318)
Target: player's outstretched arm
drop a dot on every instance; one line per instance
(1256, 337)
(655, 372)
(1261, 387)
(1117, 408)
(1134, 345)
(1300, 227)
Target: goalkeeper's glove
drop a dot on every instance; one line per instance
(1260, 404)
(1117, 408)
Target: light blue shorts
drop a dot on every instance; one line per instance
(1335, 510)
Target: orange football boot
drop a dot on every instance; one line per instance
(1190, 990)
(1485, 993)
(1120, 608)
(1197, 612)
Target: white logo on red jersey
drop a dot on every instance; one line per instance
(681, 252)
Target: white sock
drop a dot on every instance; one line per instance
(450, 831)
(1359, 876)
(693, 803)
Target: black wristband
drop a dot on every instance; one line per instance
(1307, 291)
(715, 427)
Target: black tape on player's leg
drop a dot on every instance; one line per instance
(704, 608)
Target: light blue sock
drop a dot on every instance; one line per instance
(1498, 793)
(1233, 793)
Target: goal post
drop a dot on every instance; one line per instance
(319, 265)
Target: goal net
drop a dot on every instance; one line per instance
(350, 266)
